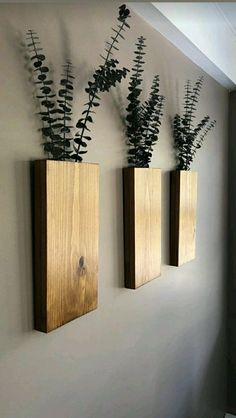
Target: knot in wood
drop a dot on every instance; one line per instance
(81, 266)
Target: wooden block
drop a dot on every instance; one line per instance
(183, 201)
(66, 241)
(142, 225)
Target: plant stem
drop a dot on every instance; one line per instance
(44, 85)
(91, 97)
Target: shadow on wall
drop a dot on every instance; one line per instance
(24, 244)
(210, 391)
(82, 72)
(231, 258)
(176, 385)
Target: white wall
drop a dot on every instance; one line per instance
(201, 30)
(205, 25)
(157, 352)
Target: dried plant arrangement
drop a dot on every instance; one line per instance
(59, 141)
(188, 138)
(143, 120)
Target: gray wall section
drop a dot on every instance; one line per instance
(158, 352)
(232, 258)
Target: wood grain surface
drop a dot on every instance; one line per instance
(183, 217)
(66, 241)
(142, 225)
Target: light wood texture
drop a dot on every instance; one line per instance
(142, 225)
(66, 241)
(183, 217)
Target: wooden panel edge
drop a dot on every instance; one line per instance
(40, 248)
(129, 229)
(48, 329)
(174, 217)
(160, 175)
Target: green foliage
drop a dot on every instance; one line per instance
(106, 76)
(56, 109)
(65, 101)
(143, 119)
(187, 137)
(53, 142)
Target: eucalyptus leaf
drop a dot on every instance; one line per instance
(188, 138)
(57, 105)
(142, 119)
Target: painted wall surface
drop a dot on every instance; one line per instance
(157, 352)
(206, 25)
(231, 258)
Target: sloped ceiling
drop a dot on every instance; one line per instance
(205, 32)
(229, 12)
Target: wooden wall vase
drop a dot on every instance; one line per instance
(66, 241)
(142, 225)
(183, 202)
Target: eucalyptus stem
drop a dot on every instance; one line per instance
(35, 50)
(143, 119)
(56, 113)
(93, 95)
(188, 138)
